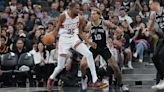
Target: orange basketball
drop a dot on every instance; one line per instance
(48, 39)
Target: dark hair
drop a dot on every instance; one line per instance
(21, 39)
(44, 50)
(72, 5)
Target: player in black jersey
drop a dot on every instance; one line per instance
(158, 57)
(97, 29)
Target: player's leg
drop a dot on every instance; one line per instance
(83, 63)
(62, 54)
(157, 62)
(83, 68)
(105, 53)
(83, 49)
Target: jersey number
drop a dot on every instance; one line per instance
(70, 31)
(98, 37)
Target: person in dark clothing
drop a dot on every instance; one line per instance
(3, 47)
(158, 57)
(19, 48)
(97, 28)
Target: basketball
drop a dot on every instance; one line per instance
(48, 39)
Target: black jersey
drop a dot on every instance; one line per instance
(160, 19)
(98, 34)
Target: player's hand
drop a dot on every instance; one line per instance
(93, 45)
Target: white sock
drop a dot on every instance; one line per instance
(83, 49)
(59, 68)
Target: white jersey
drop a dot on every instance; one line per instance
(69, 26)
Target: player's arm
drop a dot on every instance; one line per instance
(58, 25)
(88, 29)
(109, 24)
(152, 20)
(82, 26)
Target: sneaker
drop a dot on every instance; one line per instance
(161, 85)
(140, 60)
(124, 68)
(124, 88)
(100, 85)
(130, 65)
(84, 83)
(155, 86)
(50, 84)
(135, 55)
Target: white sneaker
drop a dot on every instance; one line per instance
(161, 85)
(135, 55)
(140, 61)
(124, 68)
(124, 88)
(155, 86)
(130, 65)
(84, 83)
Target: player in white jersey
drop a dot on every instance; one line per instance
(70, 27)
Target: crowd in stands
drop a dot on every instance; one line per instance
(23, 23)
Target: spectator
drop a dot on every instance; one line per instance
(136, 7)
(117, 7)
(141, 40)
(40, 59)
(104, 11)
(86, 12)
(34, 47)
(19, 48)
(145, 13)
(62, 6)
(28, 23)
(46, 18)
(137, 23)
(5, 34)
(124, 38)
(10, 21)
(11, 35)
(127, 4)
(38, 11)
(50, 27)
(123, 16)
(54, 12)
(19, 10)
(29, 7)
(13, 4)
(3, 47)
(6, 12)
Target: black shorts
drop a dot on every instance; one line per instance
(103, 51)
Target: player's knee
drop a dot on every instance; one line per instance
(88, 54)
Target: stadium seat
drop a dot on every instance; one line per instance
(8, 64)
(24, 73)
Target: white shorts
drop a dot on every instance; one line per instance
(65, 43)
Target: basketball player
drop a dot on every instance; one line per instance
(158, 57)
(70, 27)
(97, 29)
